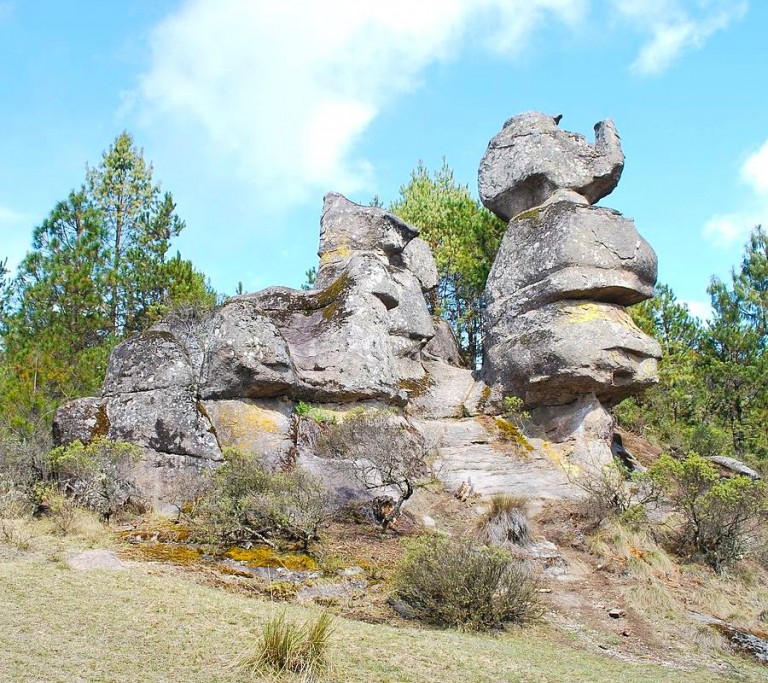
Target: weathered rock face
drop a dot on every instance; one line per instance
(557, 333)
(192, 385)
(567, 251)
(557, 336)
(531, 161)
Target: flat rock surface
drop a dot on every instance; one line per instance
(96, 559)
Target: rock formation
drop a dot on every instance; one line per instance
(558, 335)
(189, 387)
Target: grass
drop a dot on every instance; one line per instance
(147, 624)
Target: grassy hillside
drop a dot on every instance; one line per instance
(153, 622)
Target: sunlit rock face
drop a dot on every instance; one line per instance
(557, 333)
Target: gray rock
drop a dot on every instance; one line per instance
(567, 251)
(96, 559)
(166, 480)
(556, 353)
(443, 345)
(247, 357)
(81, 419)
(417, 257)
(531, 160)
(169, 420)
(153, 360)
(347, 228)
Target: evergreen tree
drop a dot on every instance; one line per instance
(464, 238)
(97, 272)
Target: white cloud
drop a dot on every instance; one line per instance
(699, 309)
(733, 228)
(675, 26)
(755, 170)
(283, 91)
(279, 94)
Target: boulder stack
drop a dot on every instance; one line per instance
(558, 335)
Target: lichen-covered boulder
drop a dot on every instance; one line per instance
(568, 251)
(532, 160)
(82, 419)
(246, 355)
(153, 360)
(554, 354)
(171, 420)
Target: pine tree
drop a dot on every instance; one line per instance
(464, 238)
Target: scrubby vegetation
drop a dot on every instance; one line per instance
(246, 501)
(460, 583)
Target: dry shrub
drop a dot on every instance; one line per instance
(387, 454)
(285, 647)
(462, 584)
(247, 501)
(614, 492)
(505, 523)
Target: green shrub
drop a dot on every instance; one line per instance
(247, 502)
(286, 647)
(99, 476)
(614, 492)
(462, 584)
(504, 523)
(720, 517)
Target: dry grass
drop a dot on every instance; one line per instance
(151, 623)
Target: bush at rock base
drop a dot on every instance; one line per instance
(720, 518)
(465, 585)
(247, 502)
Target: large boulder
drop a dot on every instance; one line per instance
(532, 160)
(347, 229)
(554, 354)
(568, 251)
(247, 357)
(170, 421)
(150, 361)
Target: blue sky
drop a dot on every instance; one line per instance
(252, 110)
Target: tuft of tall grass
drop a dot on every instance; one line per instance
(285, 647)
(504, 523)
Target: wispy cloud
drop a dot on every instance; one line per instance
(731, 228)
(280, 93)
(675, 27)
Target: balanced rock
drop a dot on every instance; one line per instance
(568, 251)
(557, 334)
(532, 161)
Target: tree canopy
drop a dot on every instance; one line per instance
(98, 271)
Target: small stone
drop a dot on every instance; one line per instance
(616, 613)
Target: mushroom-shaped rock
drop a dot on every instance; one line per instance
(532, 161)
(554, 354)
(568, 251)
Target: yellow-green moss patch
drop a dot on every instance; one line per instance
(263, 556)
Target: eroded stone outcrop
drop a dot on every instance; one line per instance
(557, 336)
(191, 386)
(557, 332)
